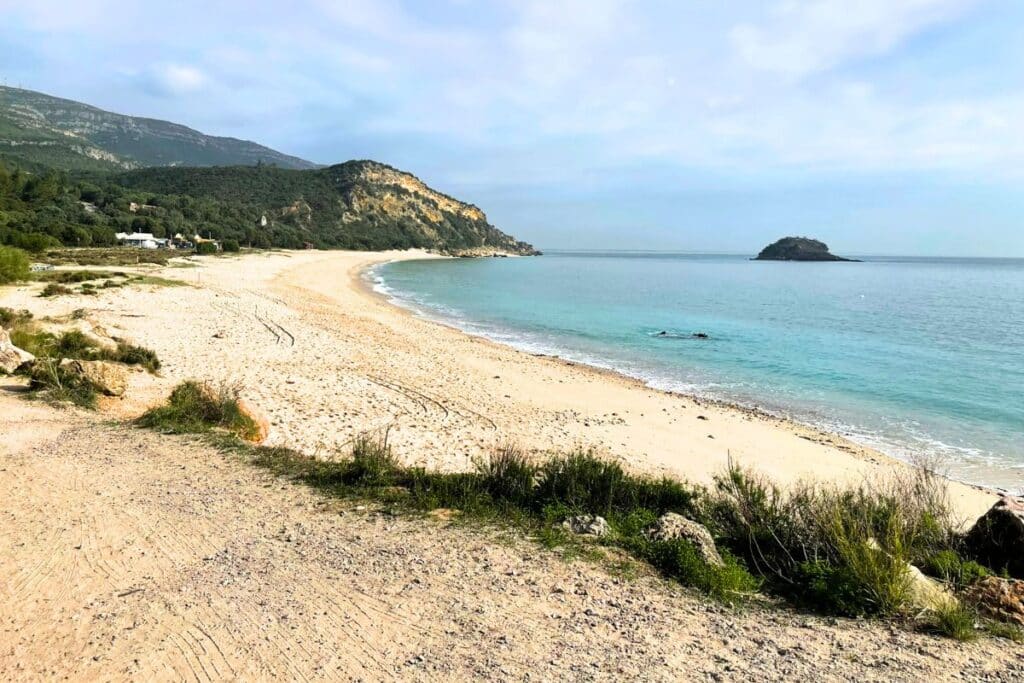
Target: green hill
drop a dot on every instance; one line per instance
(355, 205)
(36, 128)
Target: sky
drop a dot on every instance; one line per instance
(879, 126)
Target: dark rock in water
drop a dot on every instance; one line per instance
(997, 538)
(798, 249)
(663, 333)
(701, 335)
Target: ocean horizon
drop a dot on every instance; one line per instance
(914, 356)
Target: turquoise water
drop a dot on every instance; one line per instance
(906, 355)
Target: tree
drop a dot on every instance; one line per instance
(13, 265)
(230, 245)
(206, 248)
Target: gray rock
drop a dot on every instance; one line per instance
(672, 526)
(11, 357)
(587, 525)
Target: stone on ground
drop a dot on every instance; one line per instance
(672, 526)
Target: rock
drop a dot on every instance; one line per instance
(257, 416)
(997, 539)
(671, 526)
(924, 592)
(701, 335)
(108, 378)
(798, 249)
(587, 525)
(11, 357)
(1000, 599)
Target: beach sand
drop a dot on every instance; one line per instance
(130, 555)
(326, 359)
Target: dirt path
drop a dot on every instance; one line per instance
(127, 555)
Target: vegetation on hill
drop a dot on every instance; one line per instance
(798, 249)
(36, 128)
(356, 205)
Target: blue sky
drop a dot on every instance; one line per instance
(880, 126)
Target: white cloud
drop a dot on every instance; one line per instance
(802, 37)
(179, 79)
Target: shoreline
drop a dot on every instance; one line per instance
(805, 429)
(354, 363)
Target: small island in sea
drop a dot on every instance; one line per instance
(798, 249)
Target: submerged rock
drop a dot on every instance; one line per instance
(671, 526)
(997, 539)
(798, 249)
(587, 525)
(11, 357)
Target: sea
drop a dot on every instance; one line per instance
(911, 356)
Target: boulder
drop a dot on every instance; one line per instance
(11, 357)
(672, 526)
(587, 525)
(108, 378)
(997, 539)
(924, 592)
(1000, 599)
(257, 416)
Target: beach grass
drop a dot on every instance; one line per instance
(195, 408)
(834, 551)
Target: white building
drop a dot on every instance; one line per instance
(140, 240)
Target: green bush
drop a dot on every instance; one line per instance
(230, 246)
(206, 248)
(861, 539)
(196, 408)
(9, 318)
(14, 265)
(680, 560)
(954, 620)
(508, 476)
(60, 386)
(950, 567)
(54, 289)
(373, 463)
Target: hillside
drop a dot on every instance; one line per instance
(357, 204)
(36, 128)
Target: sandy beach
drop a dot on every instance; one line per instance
(127, 555)
(326, 359)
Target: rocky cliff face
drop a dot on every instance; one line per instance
(68, 134)
(371, 190)
(798, 249)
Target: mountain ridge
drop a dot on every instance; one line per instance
(56, 131)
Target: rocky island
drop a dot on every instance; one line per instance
(798, 249)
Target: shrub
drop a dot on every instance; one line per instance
(196, 408)
(129, 354)
(61, 386)
(373, 463)
(206, 248)
(230, 246)
(54, 289)
(14, 265)
(584, 482)
(508, 476)
(859, 539)
(9, 318)
(680, 560)
(954, 620)
(950, 567)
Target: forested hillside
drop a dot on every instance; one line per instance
(356, 205)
